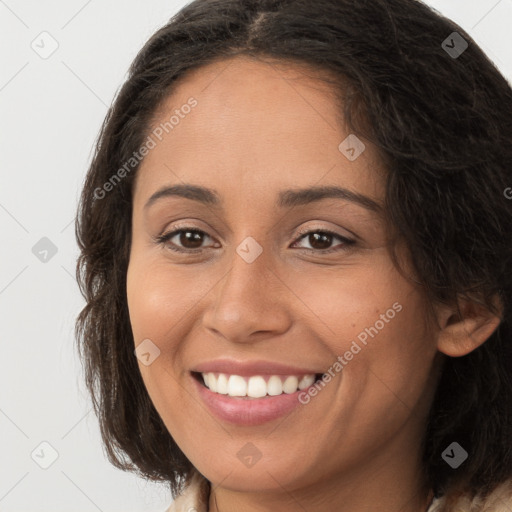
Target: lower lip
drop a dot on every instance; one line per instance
(247, 412)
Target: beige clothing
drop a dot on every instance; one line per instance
(196, 495)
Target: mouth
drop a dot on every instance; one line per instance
(255, 397)
(255, 386)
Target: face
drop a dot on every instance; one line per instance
(247, 280)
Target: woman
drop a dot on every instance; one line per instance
(295, 252)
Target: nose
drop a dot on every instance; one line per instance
(250, 302)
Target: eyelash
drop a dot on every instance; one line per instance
(165, 238)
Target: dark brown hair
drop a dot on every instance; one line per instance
(444, 127)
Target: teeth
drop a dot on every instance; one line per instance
(290, 384)
(274, 386)
(222, 384)
(257, 386)
(306, 381)
(237, 386)
(212, 382)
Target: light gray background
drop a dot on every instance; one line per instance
(50, 113)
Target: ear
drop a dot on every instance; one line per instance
(461, 334)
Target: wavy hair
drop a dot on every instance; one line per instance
(443, 125)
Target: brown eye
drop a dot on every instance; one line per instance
(190, 239)
(321, 241)
(183, 240)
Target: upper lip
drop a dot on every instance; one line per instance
(248, 368)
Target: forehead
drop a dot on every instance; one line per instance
(255, 126)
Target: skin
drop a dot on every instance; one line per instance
(260, 127)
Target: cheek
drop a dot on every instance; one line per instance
(374, 319)
(163, 306)
(346, 301)
(158, 305)
(159, 298)
(388, 357)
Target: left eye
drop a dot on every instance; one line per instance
(190, 240)
(319, 239)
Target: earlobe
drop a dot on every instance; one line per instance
(461, 335)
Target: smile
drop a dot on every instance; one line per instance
(256, 386)
(251, 400)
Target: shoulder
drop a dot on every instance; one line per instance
(499, 500)
(194, 497)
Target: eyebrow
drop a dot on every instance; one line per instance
(286, 198)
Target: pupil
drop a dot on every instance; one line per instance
(192, 237)
(324, 239)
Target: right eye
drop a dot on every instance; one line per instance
(190, 239)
